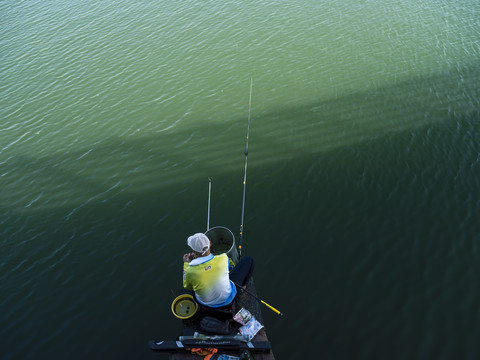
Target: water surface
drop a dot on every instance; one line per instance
(363, 180)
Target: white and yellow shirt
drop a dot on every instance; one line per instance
(208, 277)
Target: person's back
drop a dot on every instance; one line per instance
(208, 277)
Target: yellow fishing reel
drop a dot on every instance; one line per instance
(184, 306)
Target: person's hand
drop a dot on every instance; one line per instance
(188, 257)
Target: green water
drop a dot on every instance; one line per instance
(363, 178)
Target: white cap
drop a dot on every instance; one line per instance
(199, 242)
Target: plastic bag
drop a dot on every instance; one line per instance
(251, 328)
(227, 357)
(243, 316)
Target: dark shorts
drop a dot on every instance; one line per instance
(243, 271)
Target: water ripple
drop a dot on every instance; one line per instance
(111, 112)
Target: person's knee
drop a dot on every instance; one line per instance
(248, 266)
(247, 260)
(252, 263)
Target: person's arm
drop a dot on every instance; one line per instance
(186, 284)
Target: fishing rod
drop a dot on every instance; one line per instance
(243, 205)
(256, 297)
(245, 173)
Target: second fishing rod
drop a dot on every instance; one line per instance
(243, 203)
(245, 172)
(241, 288)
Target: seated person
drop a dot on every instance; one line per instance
(207, 275)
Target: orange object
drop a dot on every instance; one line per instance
(207, 353)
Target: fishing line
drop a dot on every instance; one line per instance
(209, 193)
(245, 173)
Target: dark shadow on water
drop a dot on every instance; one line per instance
(371, 197)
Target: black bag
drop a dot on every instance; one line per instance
(214, 326)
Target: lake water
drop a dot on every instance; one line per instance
(363, 189)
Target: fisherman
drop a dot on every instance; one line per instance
(208, 275)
